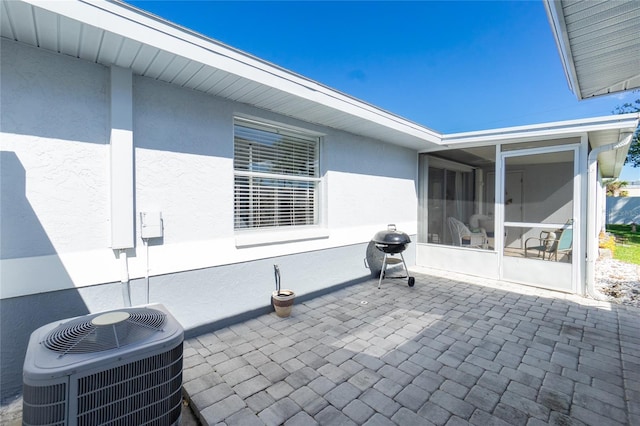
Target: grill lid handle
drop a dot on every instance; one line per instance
(391, 227)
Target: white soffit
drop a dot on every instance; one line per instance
(599, 44)
(114, 33)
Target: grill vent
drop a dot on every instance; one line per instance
(101, 332)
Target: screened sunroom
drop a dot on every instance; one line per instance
(513, 204)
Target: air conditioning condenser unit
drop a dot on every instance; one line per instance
(121, 367)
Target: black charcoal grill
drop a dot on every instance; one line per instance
(392, 242)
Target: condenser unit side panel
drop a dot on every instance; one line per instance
(45, 404)
(141, 391)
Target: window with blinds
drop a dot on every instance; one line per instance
(275, 176)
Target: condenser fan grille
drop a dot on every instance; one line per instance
(101, 332)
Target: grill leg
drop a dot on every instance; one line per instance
(404, 264)
(410, 280)
(384, 267)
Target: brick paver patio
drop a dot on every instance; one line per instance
(452, 350)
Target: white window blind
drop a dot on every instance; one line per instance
(276, 176)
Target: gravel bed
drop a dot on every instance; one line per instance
(618, 282)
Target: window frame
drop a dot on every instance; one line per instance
(278, 232)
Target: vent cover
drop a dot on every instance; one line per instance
(144, 392)
(101, 332)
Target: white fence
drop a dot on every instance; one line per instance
(623, 210)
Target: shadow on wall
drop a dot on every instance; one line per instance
(21, 230)
(22, 235)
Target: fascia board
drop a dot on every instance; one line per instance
(559, 29)
(546, 130)
(124, 20)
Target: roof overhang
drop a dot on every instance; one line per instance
(600, 131)
(599, 44)
(115, 33)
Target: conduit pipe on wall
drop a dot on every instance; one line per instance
(146, 274)
(592, 211)
(124, 278)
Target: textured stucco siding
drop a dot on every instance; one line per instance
(55, 256)
(184, 160)
(54, 153)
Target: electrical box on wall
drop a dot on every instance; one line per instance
(150, 225)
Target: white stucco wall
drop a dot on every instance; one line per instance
(184, 161)
(55, 174)
(369, 183)
(55, 134)
(54, 147)
(54, 139)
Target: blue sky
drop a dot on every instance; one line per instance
(451, 66)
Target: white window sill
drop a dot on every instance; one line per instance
(259, 237)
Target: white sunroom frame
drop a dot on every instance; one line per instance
(578, 208)
(606, 138)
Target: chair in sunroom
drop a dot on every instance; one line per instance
(463, 237)
(549, 244)
(564, 244)
(542, 244)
